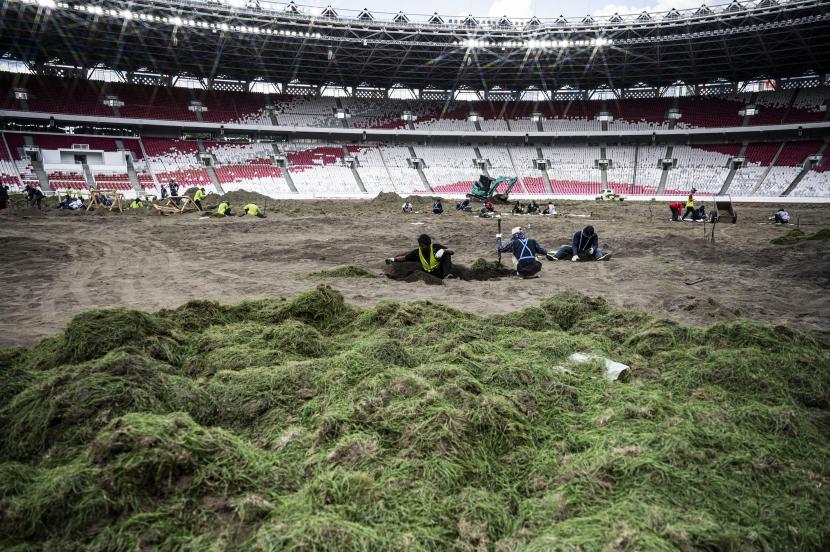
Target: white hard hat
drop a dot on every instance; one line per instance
(516, 230)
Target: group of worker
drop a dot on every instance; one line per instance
(73, 201)
(435, 259)
(696, 213)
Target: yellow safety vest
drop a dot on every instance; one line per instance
(198, 196)
(690, 203)
(252, 209)
(136, 205)
(433, 262)
(223, 208)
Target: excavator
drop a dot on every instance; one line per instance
(485, 189)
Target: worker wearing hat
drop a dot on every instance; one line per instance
(524, 252)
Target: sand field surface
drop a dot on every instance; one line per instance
(54, 264)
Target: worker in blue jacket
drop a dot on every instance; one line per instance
(584, 247)
(524, 252)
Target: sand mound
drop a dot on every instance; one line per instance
(241, 197)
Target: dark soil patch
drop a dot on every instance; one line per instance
(479, 271)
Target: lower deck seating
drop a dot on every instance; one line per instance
(815, 183)
(61, 180)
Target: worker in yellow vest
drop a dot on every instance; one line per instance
(224, 209)
(198, 197)
(690, 205)
(433, 258)
(136, 204)
(252, 209)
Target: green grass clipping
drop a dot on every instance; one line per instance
(310, 424)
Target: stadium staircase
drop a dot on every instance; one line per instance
(130, 168)
(133, 175)
(358, 180)
(385, 165)
(545, 176)
(356, 174)
(603, 171)
(424, 180)
(804, 170)
(209, 168)
(37, 165)
(634, 174)
(663, 177)
(732, 171)
(90, 180)
(768, 169)
(290, 181)
(482, 168)
(512, 163)
(420, 168)
(285, 173)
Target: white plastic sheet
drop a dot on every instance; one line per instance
(613, 369)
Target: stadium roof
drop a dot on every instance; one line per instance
(282, 43)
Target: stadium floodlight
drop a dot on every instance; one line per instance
(536, 117)
(126, 14)
(749, 111)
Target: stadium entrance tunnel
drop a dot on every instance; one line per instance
(480, 270)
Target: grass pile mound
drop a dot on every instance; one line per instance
(795, 236)
(348, 271)
(309, 424)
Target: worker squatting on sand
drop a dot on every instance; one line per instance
(584, 247)
(433, 258)
(524, 252)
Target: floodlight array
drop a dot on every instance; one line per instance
(535, 44)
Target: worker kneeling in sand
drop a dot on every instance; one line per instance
(433, 258)
(136, 204)
(252, 209)
(224, 209)
(524, 252)
(584, 247)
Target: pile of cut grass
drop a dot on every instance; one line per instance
(309, 424)
(795, 236)
(348, 271)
